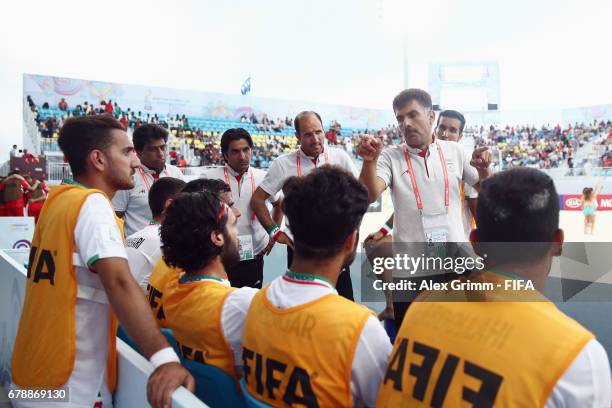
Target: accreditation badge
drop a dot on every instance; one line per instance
(246, 247)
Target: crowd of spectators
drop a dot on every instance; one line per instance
(544, 147)
(266, 124)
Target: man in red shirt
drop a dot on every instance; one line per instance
(37, 197)
(13, 188)
(108, 108)
(123, 121)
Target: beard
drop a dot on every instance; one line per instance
(120, 181)
(230, 255)
(348, 260)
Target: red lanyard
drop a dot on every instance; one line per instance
(227, 180)
(146, 180)
(298, 161)
(415, 188)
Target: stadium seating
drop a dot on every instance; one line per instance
(251, 402)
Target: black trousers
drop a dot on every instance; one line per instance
(247, 273)
(344, 286)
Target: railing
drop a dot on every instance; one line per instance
(58, 171)
(579, 172)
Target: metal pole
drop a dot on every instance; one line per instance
(405, 65)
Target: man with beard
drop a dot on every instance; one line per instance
(133, 205)
(237, 150)
(318, 348)
(200, 237)
(162, 274)
(312, 154)
(424, 175)
(78, 279)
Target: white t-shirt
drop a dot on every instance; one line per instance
(466, 214)
(373, 349)
(143, 251)
(285, 166)
(392, 169)
(242, 191)
(96, 236)
(233, 313)
(135, 202)
(587, 381)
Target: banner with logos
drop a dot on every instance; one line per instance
(573, 202)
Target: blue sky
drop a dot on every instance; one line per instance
(552, 54)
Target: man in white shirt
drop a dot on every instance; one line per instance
(424, 175)
(236, 147)
(101, 157)
(298, 326)
(501, 347)
(311, 154)
(143, 247)
(450, 126)
(133, 205)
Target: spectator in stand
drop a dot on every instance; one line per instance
(13, 152)
(13, 188)
(173, 156)
(124, 121)
(37, 197)
(182, 163)
(62, 105)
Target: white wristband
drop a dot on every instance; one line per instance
(164, 356)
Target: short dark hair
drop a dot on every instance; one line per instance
(412, 94)
(453, 114)
(323, 209)
(214, 186)
(296, 121)
(81, 134)
(518, 205)
(148, 133)
(185, 232)
(161, 190)
(233, 134)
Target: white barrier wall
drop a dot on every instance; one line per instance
(16, 232)
(133, 368)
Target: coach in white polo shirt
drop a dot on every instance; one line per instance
(312, 153)
(133, 205)
(237, 150)
(424, 174)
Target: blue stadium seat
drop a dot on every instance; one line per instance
(251, 402)
(213, 386)
(122, 334)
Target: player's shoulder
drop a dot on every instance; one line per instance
(174, 171)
